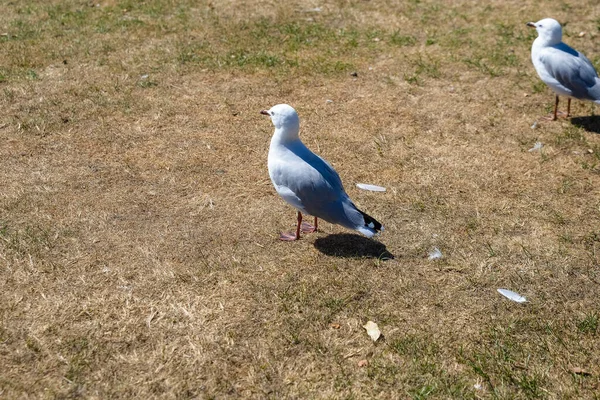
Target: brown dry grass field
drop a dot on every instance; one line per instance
(138, 226)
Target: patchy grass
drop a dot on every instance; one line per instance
(138, 225)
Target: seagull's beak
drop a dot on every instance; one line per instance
(265, 112)
(531, 24)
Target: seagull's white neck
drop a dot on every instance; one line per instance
(285, 134)
(542, 42)
(548, 38)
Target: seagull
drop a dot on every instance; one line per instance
(567, 71)
(308, 182)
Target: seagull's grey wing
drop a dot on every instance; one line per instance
(330, 176)
(572, 71)
(290, 197)
(316, 185)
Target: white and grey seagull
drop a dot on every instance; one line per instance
(568, 72)
(307, 182)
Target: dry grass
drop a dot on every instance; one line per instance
(138, 225)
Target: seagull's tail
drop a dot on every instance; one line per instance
(371, 226)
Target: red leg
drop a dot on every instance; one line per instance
(308, 228)
(288, 237)
(552, 117)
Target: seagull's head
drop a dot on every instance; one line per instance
(548, 29)
(284, 117)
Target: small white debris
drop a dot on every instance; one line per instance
(535, 125)
(435, 254)
(590, 151)
(372, 188)
(509, 294)
(328, 101)
(372, 330)
(376, 39)
(537, 146)
(144, 76)
(581, 34)
(316, 9)
(478, 386)
(370, 68)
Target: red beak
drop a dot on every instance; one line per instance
(265, 112)
(531, 24)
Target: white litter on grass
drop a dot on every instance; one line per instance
(478, 386)
(435, 254)
(535, 125)
(328, 101)
(509, 294)
(372, 330)
(372, 188)
(537, 146)
(316, 9)
(144, 76)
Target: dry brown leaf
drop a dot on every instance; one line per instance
(335, 325)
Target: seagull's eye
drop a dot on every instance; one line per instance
(540, 25)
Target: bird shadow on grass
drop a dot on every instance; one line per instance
(589, 123)
(351, 245)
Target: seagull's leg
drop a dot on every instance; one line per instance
(308, 228)
(561, 113)
(552, 117)
(288, 237)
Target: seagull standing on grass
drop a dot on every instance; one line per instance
(567, 71)
(307, 182)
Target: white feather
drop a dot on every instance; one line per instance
(372, 188)
(435, 254)
(509, 294)
(537, 146)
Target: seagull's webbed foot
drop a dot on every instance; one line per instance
(308, 228)
(559, 114)
(288, 237)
